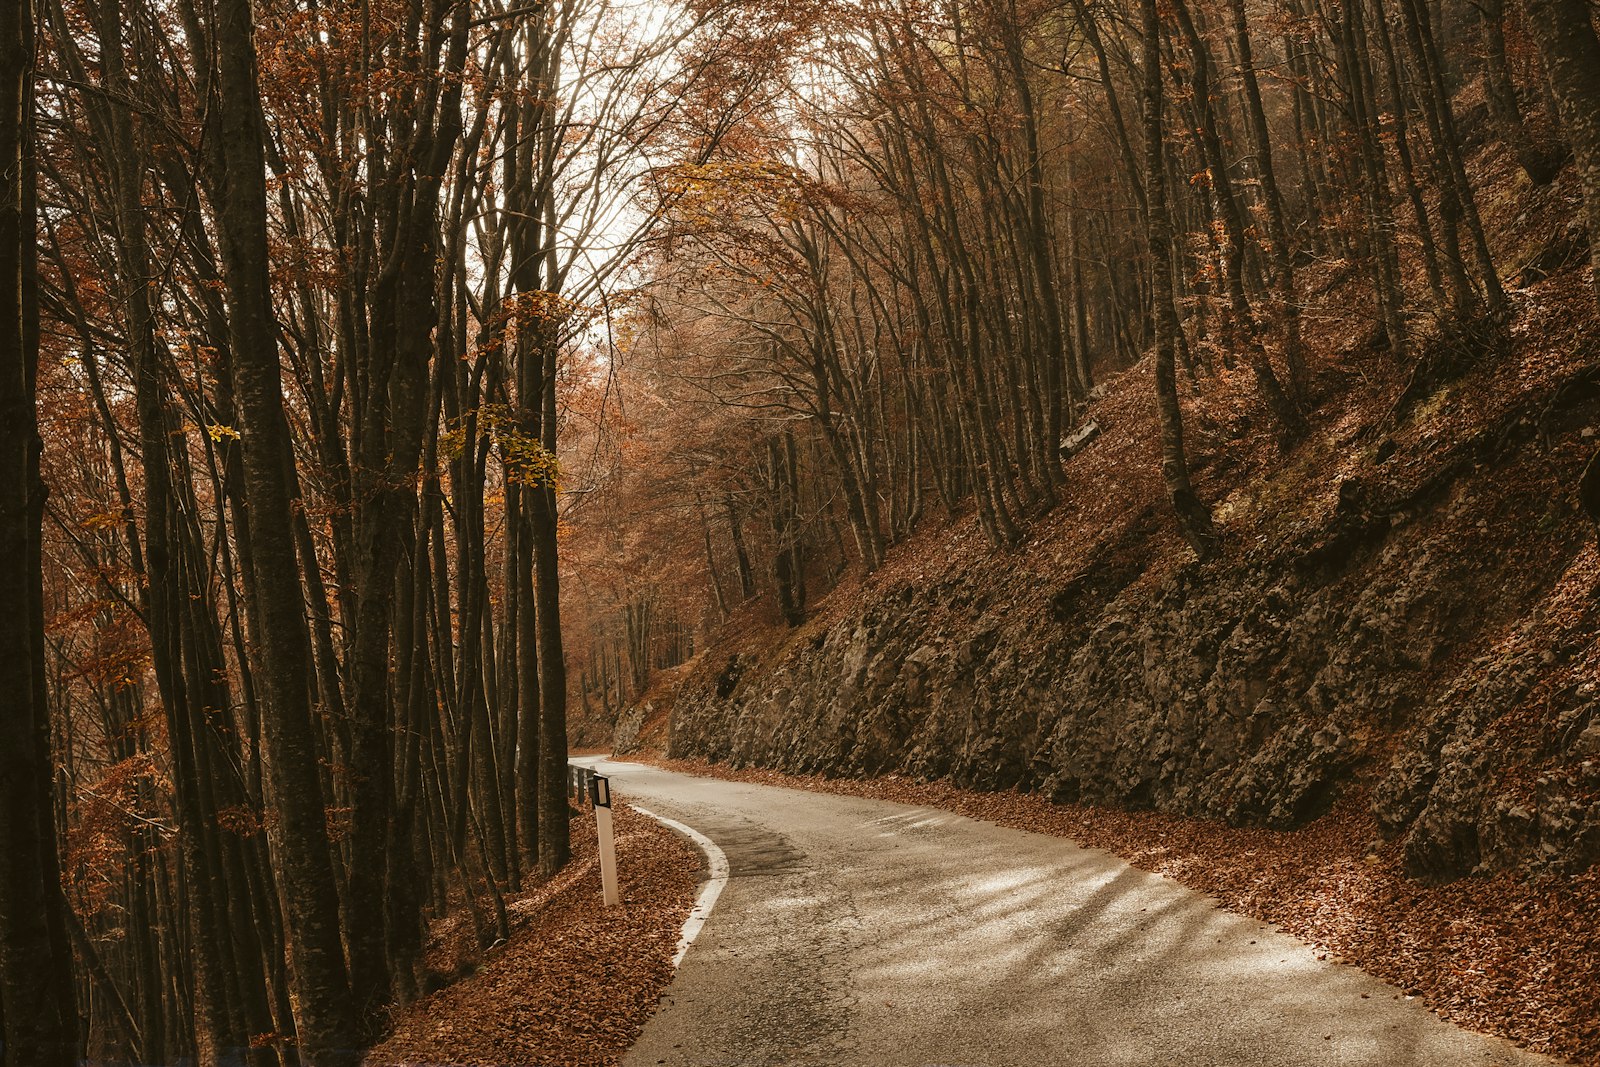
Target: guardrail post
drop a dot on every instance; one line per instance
(600, 796)
(584, 784)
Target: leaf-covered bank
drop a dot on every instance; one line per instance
(576, 981)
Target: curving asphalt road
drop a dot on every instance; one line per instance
(860, 933)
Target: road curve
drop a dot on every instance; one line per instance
(861, 933)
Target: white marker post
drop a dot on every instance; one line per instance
(600, 795)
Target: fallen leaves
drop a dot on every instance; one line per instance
(577, 981)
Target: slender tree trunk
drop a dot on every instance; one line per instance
(555, 846)
(1244, 327)
(1564, 30)
(741, 555)
(36, 987)
(1540, 157)
(787, 562)
(325, 1016)
(527, 641)
(1408, 171)
(1277, 224)
(1194, 518)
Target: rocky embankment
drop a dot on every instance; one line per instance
(1407, 606)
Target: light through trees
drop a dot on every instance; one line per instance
(390, 357)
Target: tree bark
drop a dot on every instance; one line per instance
(324, 1017)
(36, 987)
(1564, 30)
(1194, 518)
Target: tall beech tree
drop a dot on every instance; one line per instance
(1567, 40)
(1565, 30)
(37, 995)
(325, 1014)
(1193, 516)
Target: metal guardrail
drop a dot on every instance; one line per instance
(585, 784)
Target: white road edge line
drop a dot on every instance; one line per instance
(709, 892)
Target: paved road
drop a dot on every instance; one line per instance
(858, 933)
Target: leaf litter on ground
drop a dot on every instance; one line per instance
(575, 983)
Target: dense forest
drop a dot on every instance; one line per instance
(895, 295)
(380, 377)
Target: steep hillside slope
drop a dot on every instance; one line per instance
(1406, 604)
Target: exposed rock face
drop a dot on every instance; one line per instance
(1384, 650)
(625, 737)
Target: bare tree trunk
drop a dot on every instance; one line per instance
(1194, 518)
(1408, 171)
(325, 1019)
(1564, 30)
(555, 846)
(1244, 327)
(788, 564)
(1539, 155)
(1455, 191)
(36, 986)
(1277, 224)
(741, 555)
(711, 560)
(527, 640)
(1387, 286)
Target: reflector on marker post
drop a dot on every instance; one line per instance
(600, 796)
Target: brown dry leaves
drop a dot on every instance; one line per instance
(1501, 955)
(577, 981)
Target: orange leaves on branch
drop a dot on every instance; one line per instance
(542, 308)
(108, 819)
(241, 819)
(704, 195)
(523, 458)
(527, 462)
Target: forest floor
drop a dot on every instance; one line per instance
(1504, 955)
(576, 981)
